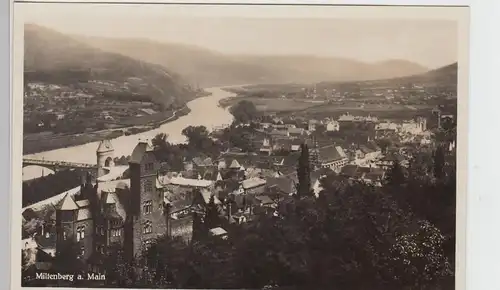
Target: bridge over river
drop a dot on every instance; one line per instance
(58, 165)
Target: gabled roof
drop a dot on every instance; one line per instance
(139, 151)
(264, 199)
(365, 149)
(283, 184)
(29, 214)
(83, 214)
(235, 164)
(83, 203)
(206, 194)
(67, 203)
(349, 170)
(331, 153)
(218, 231)
(296, 131)
(104, 146)
(110, 198)
(253, 182)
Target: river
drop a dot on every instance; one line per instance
(205, 111)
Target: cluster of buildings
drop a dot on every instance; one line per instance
(47, 107)
(130, 212)
(149, 200)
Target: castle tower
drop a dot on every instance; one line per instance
(147, 202)
(66, 214)
(105, 154)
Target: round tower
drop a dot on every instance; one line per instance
(105, 155)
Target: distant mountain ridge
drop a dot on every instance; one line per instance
(208, 68)
(446, 75)
(47, 51)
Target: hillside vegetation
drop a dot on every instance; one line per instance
(52, 55)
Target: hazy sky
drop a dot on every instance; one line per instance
(428, 36)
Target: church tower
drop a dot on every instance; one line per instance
(105, 154)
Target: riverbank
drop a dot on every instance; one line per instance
(52, 142)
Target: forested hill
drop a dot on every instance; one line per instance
(211, 68)
(50, 55)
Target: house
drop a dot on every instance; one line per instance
(332, 126)
(265, 201)
(282, 185)
(296, 132)
(369, 175)
(266, 147)
(279, 134)
(388, 160)
(253, 185)
(367, 153)
(332, 157)
(283, 144)
(311, 126)
(375, 176)
(218, 232)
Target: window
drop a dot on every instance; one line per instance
(100, 249)
(82, 251)
(148, 227)
(47, 235)
(146, 243)
(149, 167)
(116, 232)
(80, 233)
(65, 236)
(100, 230)
(148, 185)
(147, 207)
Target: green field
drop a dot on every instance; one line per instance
(319, 110)
(273, 104)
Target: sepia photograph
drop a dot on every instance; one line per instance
(239, 146)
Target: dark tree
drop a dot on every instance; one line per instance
(212, 219)
(119, 270)
(395, 176)
(439, 160)
(244, 111)
(195, 135)
(304, 173)
(160, 141)
(384, 144)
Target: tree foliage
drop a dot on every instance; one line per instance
(439, 162)
(304, 173)
(244, 111)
